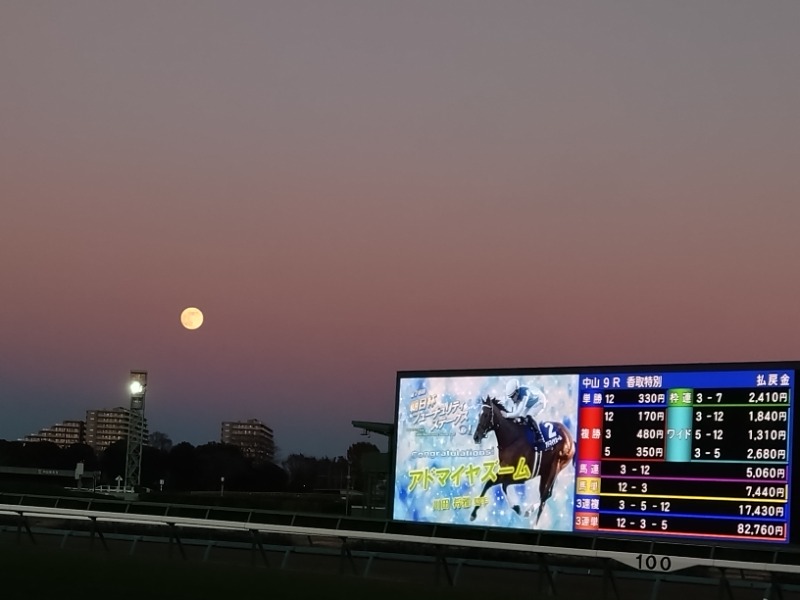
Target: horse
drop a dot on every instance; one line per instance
(513, 446)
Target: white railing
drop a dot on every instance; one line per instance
(112, 489)
(645, 562)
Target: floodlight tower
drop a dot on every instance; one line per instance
(133, 461)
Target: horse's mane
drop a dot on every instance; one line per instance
(496, 402)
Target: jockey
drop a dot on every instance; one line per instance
(524, 402)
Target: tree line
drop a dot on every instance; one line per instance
(183, 467)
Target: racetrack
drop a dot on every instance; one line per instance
(53, 568)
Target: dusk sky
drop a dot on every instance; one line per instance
(351, 188)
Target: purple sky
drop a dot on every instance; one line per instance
(352, 188)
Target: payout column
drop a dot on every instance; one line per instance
(679, 425)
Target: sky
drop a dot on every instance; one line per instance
(352, 188)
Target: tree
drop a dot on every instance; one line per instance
(355, 456)
(112, 461)
(270, 477)
(160, 441)
(42, 455)
(11, 453)
(359, 449)
(155, 464)
(76, 453)
(302, 472)
(183, 467)
(222, 460)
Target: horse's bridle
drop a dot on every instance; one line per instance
(491, 422)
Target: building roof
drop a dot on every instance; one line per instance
(386, 429)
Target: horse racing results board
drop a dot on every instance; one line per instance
(683, 451)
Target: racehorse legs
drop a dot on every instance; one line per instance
(546, 484)
(516, 508)
(504, 484)
(545, 490)
(489, 483)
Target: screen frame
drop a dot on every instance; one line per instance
(793, 520)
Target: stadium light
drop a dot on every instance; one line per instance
(133, 460)
(138, 384)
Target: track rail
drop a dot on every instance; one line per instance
(631, 559)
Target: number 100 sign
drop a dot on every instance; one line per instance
(654, 562)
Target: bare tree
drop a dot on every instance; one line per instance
(160, 441)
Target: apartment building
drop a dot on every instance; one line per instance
(106, 426)
(253, 437)
(64, 434)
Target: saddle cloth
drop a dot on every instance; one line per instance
(549, 434)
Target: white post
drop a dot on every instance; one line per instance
(347, 492)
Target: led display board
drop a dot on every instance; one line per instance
(689, 451)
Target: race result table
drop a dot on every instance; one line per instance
(698, 454)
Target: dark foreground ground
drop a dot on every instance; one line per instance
(55, 566)
(33, 573)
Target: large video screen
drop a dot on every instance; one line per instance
(690, 451)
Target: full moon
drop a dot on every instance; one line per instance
(191, 318)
